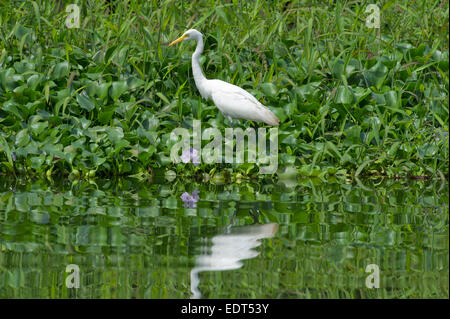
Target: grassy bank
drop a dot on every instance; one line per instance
(103, 99)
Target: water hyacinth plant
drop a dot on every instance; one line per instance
(102, 99)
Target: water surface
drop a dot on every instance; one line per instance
(184, 239)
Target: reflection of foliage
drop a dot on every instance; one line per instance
(137, 239)
(103, 99)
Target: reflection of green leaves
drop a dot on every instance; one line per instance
(289, 172)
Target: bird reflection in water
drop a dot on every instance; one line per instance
(230, 248)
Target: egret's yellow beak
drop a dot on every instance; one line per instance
(184, 36)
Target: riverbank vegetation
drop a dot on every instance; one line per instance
(103, 99)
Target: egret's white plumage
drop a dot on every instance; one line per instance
(231, 100)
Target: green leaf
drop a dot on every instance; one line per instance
(69, 153)
(101, 90)
(22, 138)
(5, 147)
(162, 97)
(344, 95)
(392, 99)
(37, 161)
(306, 91)
(11, 107)
(22, 67)
(353, 135)
(269, 89)
(105, 116)
(97, 160)
(85, 101)
(9, 80)
(115, 134)
(61, 70)
(33, 81)
(376, 75)
(338, 69)
(20, 32)
(428, 150)
(38, 127)
(361, 93)
(361, 167)
(117, 88)
(134, 83)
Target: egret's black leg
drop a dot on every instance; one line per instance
(231, 120)
(255, 125)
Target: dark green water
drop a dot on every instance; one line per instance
(140, 240)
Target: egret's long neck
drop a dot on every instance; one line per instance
(196, 69)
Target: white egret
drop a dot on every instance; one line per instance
(231, 100)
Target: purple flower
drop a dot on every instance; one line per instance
(185, 197)
(442, 135)
(190, 205)
(185, 157)
(190, 200)
(195, 196)
(190, 155)
(13, 156)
